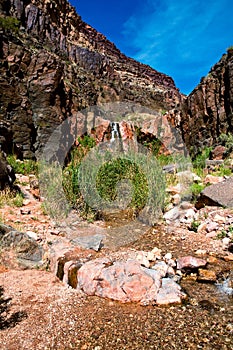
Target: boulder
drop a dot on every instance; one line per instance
(169, 293)
(218, 152)
(190, 262)
(89, 242)
(220, 194)
(128, 281)
(26, 250)
(7, 175)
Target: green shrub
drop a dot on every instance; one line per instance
(194, 225)
(12, 198)
(116, 170)
(11, 24)
(200, 159)
(196, 189)
(227, 141)
(24, 167)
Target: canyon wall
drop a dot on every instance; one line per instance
(53, 65)
(208, 111)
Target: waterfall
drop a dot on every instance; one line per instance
(114, 132)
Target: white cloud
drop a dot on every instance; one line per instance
(179, 38)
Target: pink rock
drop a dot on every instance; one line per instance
(101, 127)
(218, 152)
(211, 234)
(190, 262)
(210, 179)
(122, 280)
(169, 293)
(211, 226)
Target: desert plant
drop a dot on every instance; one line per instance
(9, 24)
(196, 189)
(227, 141)
(24, 167)
(11, 197)
(199, 161)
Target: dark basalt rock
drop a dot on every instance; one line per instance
(7, 175)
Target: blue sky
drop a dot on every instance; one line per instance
(180, 38)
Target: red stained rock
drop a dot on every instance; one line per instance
(190, 262)
(123, 281)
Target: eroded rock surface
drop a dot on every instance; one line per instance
(128, 281)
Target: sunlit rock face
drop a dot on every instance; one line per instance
(208, 110)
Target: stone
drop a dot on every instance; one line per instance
(176, 199)
(162, 267)
(190, 262)
(128, 281)
(228, 257)
(202, 227)
(218, 152)
(172, 214)
(226, 241)
(212, 226)
(28, 252)
(201, 252)
(220, 194)
(170, 168)
(211, 234)
(168, 256)
(210, 179)
(7, 175)
(186, 205)
(89, 242)
(123, 281)
(206, 275)
(143, 259)
(219, 219)
(156, 252)
(169, 293)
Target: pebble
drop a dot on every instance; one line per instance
(206, 275)
(201, 252)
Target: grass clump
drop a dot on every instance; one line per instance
(199, 161)
(11, 197)
(24, 167)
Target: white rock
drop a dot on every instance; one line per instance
(219, 219)
(157, 252)
(176, 199)
(168, 256)
(226, 241)
(32, 234)
(143, 260)
(151, 256)
(201, 252)
(172, 214)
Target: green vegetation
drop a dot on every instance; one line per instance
(200, 159)
(24, 167)
(96, 180)
(9, 24)
(11, 198)
(227, 141)
(194, 225)
(116, 170)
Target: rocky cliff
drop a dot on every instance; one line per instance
(53, 65)
(208, 111)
